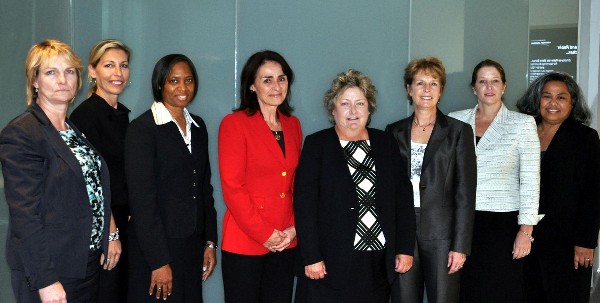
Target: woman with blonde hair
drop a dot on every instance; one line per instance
(104, 120)
(356, 227)
(57, 188)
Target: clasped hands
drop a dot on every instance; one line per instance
(280, 240)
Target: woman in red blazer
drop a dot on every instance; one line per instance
(259, 148)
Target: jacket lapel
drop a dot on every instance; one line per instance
(264, 134)
(438, 135)
(56, 142)
(402, 136)
(495, 131)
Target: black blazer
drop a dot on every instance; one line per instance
(326, 205)
(105, 127)
(569, 193)
(170, 193)
(50, 220)
(448, 180)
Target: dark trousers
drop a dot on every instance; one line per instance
(78, 290)
(553, 281)
(112, 284)
(429, 271)
(263, 278)
(366, 282)
(187, 257)
(491, 274)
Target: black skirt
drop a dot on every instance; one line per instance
(490, 273)
(367, 282)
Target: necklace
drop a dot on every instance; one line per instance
(423, 126)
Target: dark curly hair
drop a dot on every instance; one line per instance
(529, 103)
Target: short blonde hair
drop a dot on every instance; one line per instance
(98, 51)
(345, 80)
(40, 54)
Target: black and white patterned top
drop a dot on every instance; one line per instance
(90, 165)
(417, 151)
(369, 234)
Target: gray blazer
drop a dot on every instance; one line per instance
(448, 180)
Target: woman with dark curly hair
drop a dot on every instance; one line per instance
(559, 268)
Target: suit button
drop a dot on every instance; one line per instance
(284, 173)
(282, 195)
(194, 197)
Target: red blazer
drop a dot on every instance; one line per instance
(257, 180)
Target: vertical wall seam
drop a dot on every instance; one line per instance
(71, 25)
(410, 13)
(235, 57)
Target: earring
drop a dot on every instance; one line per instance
(36, 90)
(128, 83)
(92, 81)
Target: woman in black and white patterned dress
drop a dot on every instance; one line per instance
(355, 227)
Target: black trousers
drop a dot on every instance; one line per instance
(112, 284)
(366, 282)
(78, 290)
(187, 258)
(555, 280)
(429, 273)
(264, 278)
(491, 274)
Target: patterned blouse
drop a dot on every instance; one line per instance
(369, 234)
(417, 151)
(90, 166)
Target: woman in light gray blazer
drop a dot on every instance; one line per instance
(508, 186)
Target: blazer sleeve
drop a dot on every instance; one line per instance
(141, 173)
(306, 201)
(588, 180)
(232, 168)
(210, 214)
(465, 187)
(529, 173)
(23, 167)
(292, 221)
(405, 212)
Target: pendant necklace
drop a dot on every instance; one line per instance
(423, 126)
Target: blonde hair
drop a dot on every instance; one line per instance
(345, 80)
(98, 51)
(40, 54)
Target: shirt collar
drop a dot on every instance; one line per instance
(163, 116)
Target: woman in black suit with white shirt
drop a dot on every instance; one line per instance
(559, 268)
(173, 227)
